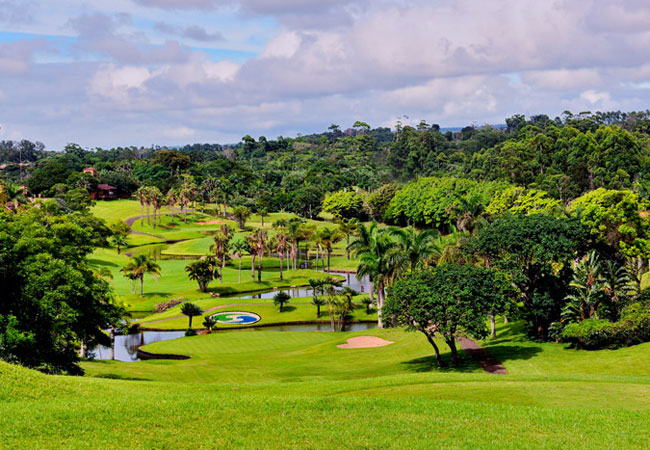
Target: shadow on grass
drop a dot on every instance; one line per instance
(101, 262)
(115, 376)
(429, 364)
(286, 309)
(503, 353)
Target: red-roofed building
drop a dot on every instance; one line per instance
(104, 192)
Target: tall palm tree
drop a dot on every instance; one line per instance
(239, 248)
(172, 198)
(280, 246)
(364, 242)
(382, 262)
(261, 244)
(251, 240)
(221, 246)
(156, 199)
(138, 266)
(329, 290)
(328, 237)
(348, 227)
(141, 193)
(418, 247)
(316, 288)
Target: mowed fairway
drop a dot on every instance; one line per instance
(297, 390)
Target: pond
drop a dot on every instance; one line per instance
(360, 285)
(126, 347)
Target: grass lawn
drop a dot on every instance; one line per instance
(297, 390)
(173, 281)
(298, 310)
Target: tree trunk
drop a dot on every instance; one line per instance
(380, 303)
(317, 256)
(436, 349)
(112, 334)
(317, 311)
(493, 331)
(262, 220)
(240, 270)
(259, 269)
(347, 238)
(141, 285)
(253, 266)
(281, 261)
(372, 291)
(148, 217)
(223, 266)
(190, 317)
(454, 351)
(329, 252)
(141, 213)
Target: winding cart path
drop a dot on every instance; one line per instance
(482, 356)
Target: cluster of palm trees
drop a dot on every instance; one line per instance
(385, 254)
(150, 196)
(338, 302)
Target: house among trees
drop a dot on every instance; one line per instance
(104, 192)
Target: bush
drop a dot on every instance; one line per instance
(589, 334)
(633, 328)
(190, 332)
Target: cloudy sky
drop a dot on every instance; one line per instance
(142, 72)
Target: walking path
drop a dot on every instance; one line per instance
(482, 356)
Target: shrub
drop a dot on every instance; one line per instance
(589, 334)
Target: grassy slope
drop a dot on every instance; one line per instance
(297, 390)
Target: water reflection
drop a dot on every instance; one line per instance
(360, 285)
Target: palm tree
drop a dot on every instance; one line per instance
(588, 290)
(251, 240)
(364, 242)
(156, 199)
(280, 246)
(382, 262)
(221, 246)
(191, 310)
(120, 241)
(140, 193)
(172, 198)
(316, 288)
(469, 211)
(202, 271)
(417, 247)
(138, 266)
(329, 289)
(280, 299)
(295, 233)
(209, 323)
(348, 227)
(328, 237)
(261, 243)
(239, 248)
(617, 281)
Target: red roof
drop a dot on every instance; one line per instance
(105, 187)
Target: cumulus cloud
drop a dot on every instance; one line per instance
(449, 62)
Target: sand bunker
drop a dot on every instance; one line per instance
(210, 222)
(364, 342)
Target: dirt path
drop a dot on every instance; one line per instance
(214, 308)
(482, 356)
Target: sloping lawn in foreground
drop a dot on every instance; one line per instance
(297, 390)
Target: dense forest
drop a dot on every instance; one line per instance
(565, 157)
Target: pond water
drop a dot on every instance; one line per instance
(126, 347)
(360, 285)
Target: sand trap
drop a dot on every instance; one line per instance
(364, 342)
(210, 222)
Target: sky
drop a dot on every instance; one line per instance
(173, 72)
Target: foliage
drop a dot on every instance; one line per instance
(52, 301)
(447, 299)
(280, 299)
(241, 214)
(203, 271)
(344, 205)
(190, 310)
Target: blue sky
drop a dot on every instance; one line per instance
(142, 72)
